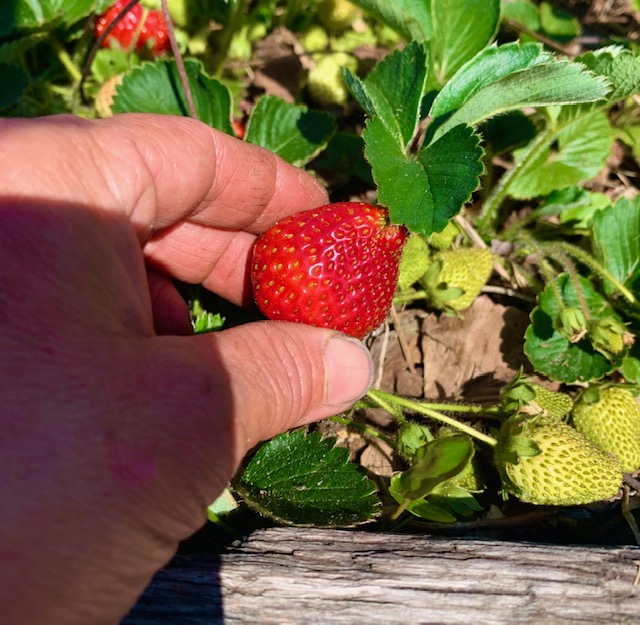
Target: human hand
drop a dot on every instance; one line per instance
(118, 429)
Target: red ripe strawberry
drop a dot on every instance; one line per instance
(139, 28)
(335, 266)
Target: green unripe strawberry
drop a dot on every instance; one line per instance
(525, 396)
(444, 240)
(456, 277)
(179, 12)
(414, 261)
(610, 418)
(324, 82)
(572, 323)
(336, 15)
(314, 39)
(609, 336)
(544, 461)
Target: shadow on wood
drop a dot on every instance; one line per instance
(291, 576)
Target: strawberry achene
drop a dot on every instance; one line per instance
(335, 266)
(139, 29)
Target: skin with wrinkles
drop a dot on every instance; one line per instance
(117, 426)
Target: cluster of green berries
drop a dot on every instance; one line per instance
(324, 81)
(555, 451)
(452, 278)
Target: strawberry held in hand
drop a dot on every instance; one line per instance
(335, 266)
(138, 29)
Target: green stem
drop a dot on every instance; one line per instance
(492, 411)
(65, 60)
(367, 430)
(489, 213)
(406, 298)
(377, 398)
(545, 270)
(381, 397)
(596, 267)
(235, 22)
(400, 509)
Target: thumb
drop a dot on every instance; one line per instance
(283, 375)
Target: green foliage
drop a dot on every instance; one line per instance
(426, 189)
(17, 81)
(511, 77)
(551, 353)
(34, 14)
(616, 240)
(303, 479)
(576, 151)
(155, 88)
(293, 132)
(471, 114)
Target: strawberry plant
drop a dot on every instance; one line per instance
(483, 236)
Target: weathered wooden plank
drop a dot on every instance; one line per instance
(290, 576)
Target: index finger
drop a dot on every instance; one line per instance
(196, 196)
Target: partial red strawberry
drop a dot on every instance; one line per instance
(335, 266)
(139, 29)
(239, 127)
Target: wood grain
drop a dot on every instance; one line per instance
(291, 576)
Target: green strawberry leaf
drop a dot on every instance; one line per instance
(156, 88)
(225, 504)
(14, 81)
(409, 18)
(456, 38)
(507, 132)
(620, 66)
(13, 50)
(511, 77)
(393, 91)
(32, 14)
(303, 479)
(616, 241)
(630, 368)
(421, 508)
(555, 356)
(110, 62)
(292, 132)
(424, 190)
(558, 23)
(487, 68)
(344, 158)
(434, 463)
(583, 142)
(523, 12)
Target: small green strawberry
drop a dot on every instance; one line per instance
(571, 323)
(609, 416)
(324, 81)
(335, 266)
(336, 15)
(414, 261)
(314, 39)
(444, 240)
(609, 336)
(526, 396)
(456, 277)
(544, 461)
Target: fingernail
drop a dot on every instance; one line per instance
(349, 371)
